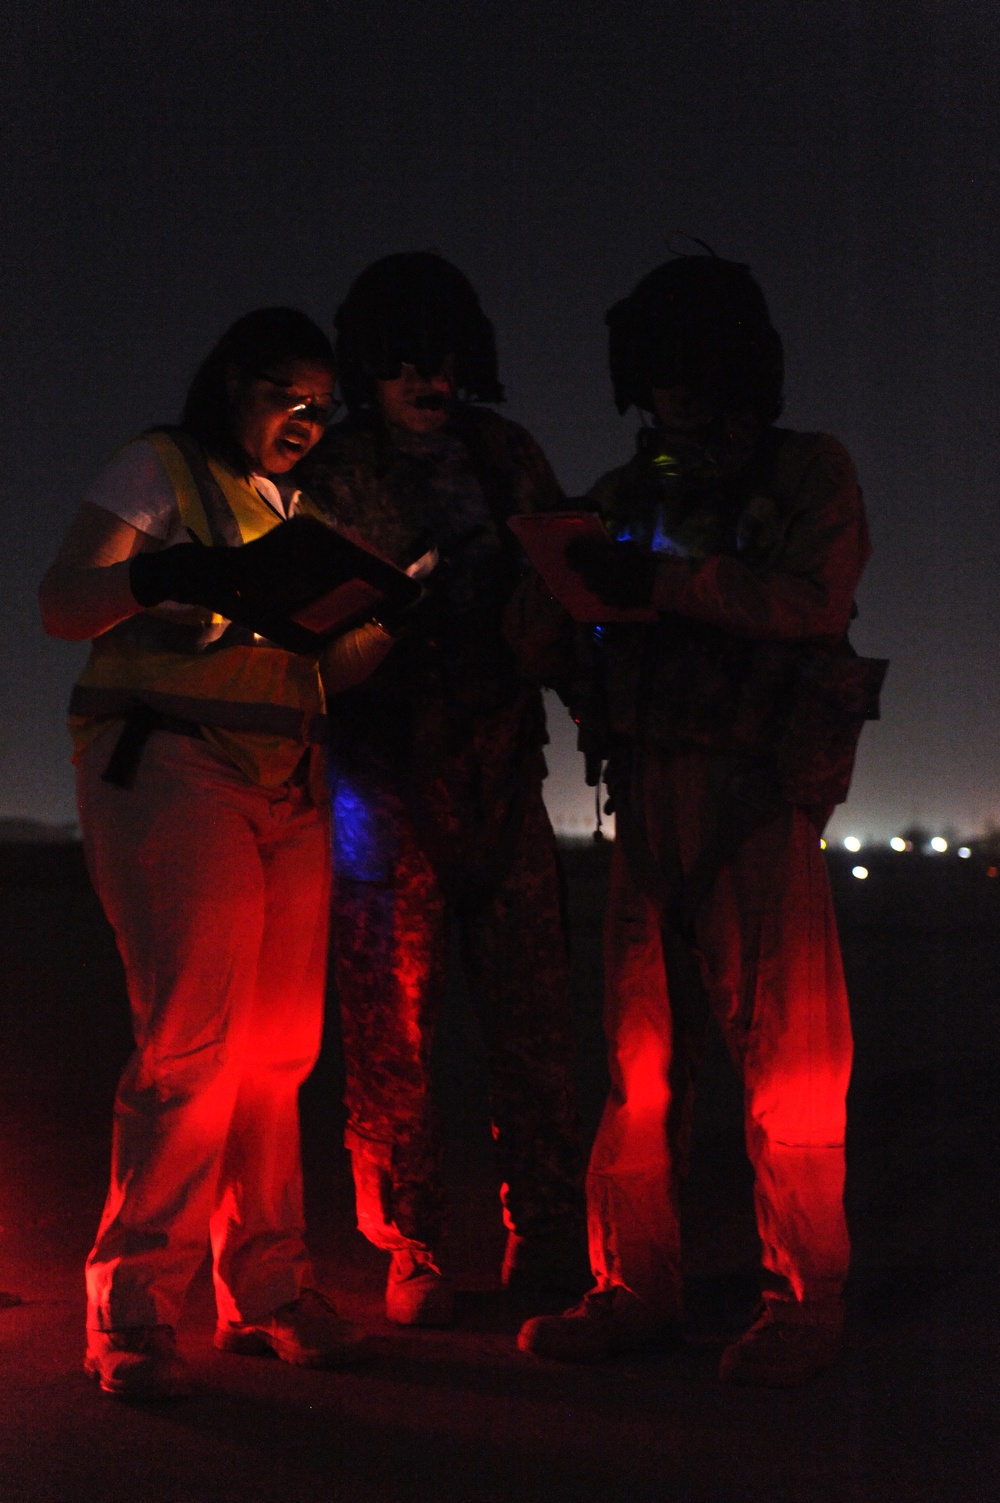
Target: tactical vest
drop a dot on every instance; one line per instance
(255, 702)
(795, 707)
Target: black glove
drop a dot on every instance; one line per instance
(266, 580)
(188, 573)
(619, 574)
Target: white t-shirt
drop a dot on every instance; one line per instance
(134, 486)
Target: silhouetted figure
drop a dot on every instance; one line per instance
(437, 768)
(728, 702)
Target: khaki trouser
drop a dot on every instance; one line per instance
(766, 954)
(217, 890)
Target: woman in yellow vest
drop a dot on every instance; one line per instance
(207, 842)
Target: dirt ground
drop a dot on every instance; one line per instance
(911, 1412)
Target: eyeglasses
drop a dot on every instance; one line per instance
(306, 408)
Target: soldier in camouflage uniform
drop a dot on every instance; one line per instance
(728, 701)
(437, 771)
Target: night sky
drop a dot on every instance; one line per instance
(169, 166)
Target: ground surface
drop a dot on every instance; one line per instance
(910, 1414)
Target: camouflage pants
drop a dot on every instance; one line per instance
(392, 926)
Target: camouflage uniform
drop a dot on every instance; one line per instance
(436, 773)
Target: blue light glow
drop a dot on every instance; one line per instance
(364, 844)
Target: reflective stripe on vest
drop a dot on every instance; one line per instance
(91, 701)
(212, 672)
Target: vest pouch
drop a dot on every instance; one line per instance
(836, 692)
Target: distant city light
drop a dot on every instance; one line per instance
(822, 843)
(991, 871)
(852, 843)
(860, 872)
(898, 843)
(939, 844)
(964, 852)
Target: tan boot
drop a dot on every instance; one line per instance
(606, 1323)
(307, 1332)
(139, 1363)
(790, 1342)
(417, 1292)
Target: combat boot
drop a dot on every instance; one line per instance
(789, 1343)
(306, 1332)
(606, 1323)
(140, 1363)
(417, 1293)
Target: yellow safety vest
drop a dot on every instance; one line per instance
(258, 704)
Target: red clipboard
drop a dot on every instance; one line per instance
(356, 597)
(543, 536)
